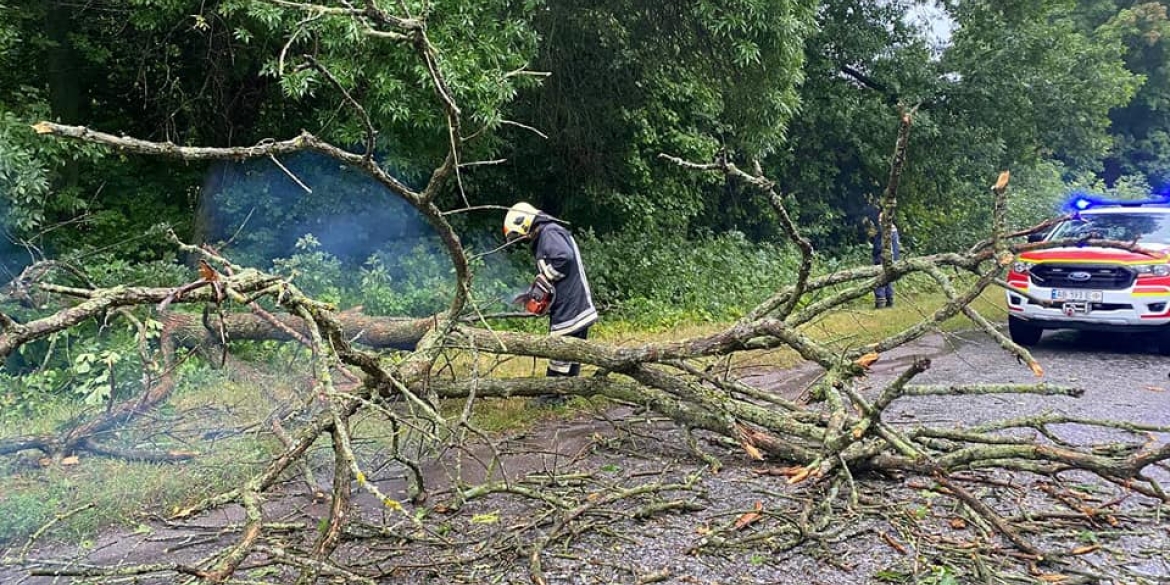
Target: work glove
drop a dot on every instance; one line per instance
(538, 298)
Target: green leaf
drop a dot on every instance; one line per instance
(489, 518)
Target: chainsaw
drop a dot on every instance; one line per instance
(538, 298)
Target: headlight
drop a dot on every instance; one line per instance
(1021, 267)
(1160, 270)
(1153, 269)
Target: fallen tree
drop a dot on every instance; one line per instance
(823, 446)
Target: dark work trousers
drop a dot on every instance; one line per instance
(567, 369)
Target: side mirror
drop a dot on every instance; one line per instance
(1035, 237)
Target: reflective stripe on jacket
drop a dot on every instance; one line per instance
(559, 260)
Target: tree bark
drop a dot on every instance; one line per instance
(376, 332)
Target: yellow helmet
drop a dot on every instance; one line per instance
(518, 221)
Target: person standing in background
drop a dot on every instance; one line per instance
(883, 296)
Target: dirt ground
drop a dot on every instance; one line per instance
(678, 522)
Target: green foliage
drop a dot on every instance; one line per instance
(94, 372)
(1141, 128)
(29, 165)
(1037, 194)
(8, 31)
(106, 268)
(1015, 86)
(411, 278)
(1019, 83)
(317, 273)
(404, 280)
(1044, 191)
(630, 80)
(123, 68)
(86, 365)
(261, 211)
(480, 46)
(940, 575)
(672, 279)
(1057, 80)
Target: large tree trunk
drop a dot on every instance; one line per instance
(375, 332)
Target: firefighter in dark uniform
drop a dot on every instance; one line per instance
(560, 276)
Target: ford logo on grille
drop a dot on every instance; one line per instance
(1079, 276)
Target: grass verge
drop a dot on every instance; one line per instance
(209, 414)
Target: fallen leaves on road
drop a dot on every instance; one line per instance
(752, 451)
(1036, 368)
(868, 360)
(894, 544)
(749, 518)
(800, 475)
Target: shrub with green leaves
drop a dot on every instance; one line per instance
(670, 278)
(406, 278)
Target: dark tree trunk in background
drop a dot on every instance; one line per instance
(66, 92)
(219, 174)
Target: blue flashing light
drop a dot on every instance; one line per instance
(1081, 202)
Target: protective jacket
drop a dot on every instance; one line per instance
(559, 260)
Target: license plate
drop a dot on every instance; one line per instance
(1065, 294)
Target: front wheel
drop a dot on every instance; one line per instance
(1023, 332)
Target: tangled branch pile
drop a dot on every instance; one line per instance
(824, 447)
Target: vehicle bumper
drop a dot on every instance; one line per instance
(1140, 307)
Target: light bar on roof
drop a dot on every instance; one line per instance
(1081, 202)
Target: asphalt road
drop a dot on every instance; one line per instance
(1123, 376)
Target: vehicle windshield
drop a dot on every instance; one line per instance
(1144, 228)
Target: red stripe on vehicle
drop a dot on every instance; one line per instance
(1090, 254)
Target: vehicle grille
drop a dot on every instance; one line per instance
(1100, 277)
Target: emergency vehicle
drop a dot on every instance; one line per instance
(1096, 288)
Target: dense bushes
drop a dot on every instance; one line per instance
(411, 278)
(669, 278)
(657, 280)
